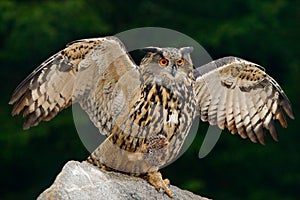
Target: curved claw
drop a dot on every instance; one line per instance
(155, 179)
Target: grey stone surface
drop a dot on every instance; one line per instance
(81, 180)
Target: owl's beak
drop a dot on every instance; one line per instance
(174, 70)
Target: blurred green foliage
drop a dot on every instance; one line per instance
(265, 32)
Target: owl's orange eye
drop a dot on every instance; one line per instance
(180, 62)
(164, 62)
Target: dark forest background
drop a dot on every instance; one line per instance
(265, 32)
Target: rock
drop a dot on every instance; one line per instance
(81, 180)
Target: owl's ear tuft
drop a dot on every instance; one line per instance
(151, 49)
(185, 50)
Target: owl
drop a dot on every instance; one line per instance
(146, 110)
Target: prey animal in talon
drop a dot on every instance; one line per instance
(146, 110)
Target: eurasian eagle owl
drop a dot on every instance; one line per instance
(146, 110)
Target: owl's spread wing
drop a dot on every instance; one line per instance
(87, 71)
(240, 96)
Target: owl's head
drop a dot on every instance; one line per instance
(169, 64)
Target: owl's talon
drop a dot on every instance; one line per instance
(155, 179)
(167, 182)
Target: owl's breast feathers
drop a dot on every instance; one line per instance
(161, 115)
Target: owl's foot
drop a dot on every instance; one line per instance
(155, 179)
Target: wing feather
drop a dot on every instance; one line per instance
(221, 113)
(213, 106)
(238, 115)
(248, 122)
(229, 112)
(204, 102)
(242, 97)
